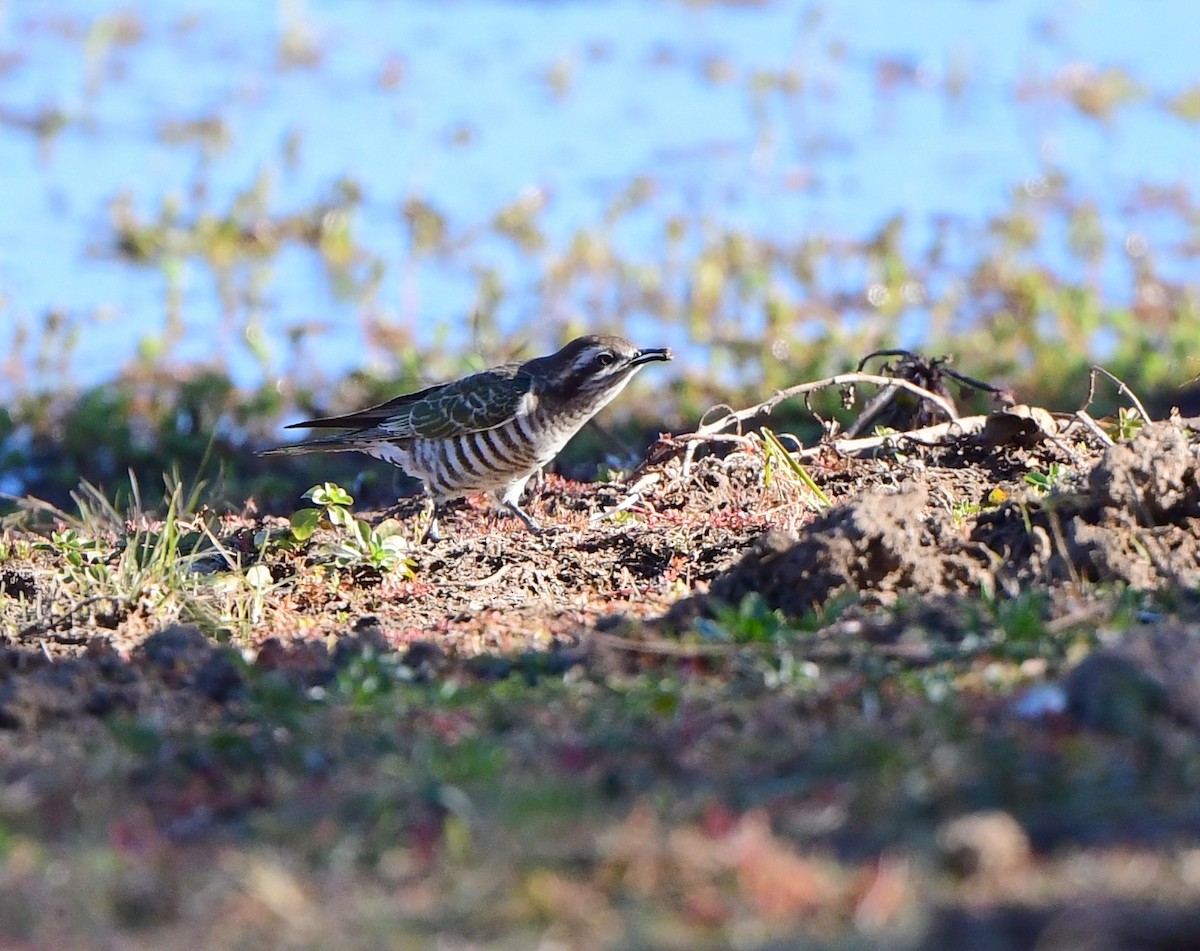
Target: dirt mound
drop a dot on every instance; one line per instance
(1131, 519)
(886, 543)
(1125, 515)
(1152, 477)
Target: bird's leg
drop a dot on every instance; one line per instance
(509, 499)
(535, 527)
(524, 516)
(431, 533)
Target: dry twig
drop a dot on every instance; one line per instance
(737, 417)
(1121, 388)
(1085, 419)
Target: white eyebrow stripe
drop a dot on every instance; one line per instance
(583, 360)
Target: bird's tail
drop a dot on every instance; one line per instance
(326, 444)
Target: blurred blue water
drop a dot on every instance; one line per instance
(839, 157)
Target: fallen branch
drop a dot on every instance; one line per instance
(737, 417)
(933, 435)
(926, 436)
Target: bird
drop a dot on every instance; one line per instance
(492, 430)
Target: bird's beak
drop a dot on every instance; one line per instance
(652, 356)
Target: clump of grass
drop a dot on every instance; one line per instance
(112, 565)
(776, 456)
(117, 559)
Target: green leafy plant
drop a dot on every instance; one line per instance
(1129, 423)
(377, 548)
(380, 547)
(963, 510)
(750, 621)
(1045, 481)
(331, 504)
(76, 549)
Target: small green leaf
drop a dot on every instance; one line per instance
(336, 495)
(329, 493)
(304, 523)
(389, 527)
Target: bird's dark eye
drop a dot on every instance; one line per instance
(606, 359)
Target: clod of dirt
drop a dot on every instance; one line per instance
(989, 844)
(185, 657)
(1152, 477)
(1171, 655)
(306, 662)
(1152, 669)
(1131, 519)
(35, 691)
(425, 659)
(1109, 692)
(367, 637)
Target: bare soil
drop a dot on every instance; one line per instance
(723, 710)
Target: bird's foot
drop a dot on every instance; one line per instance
(534, 527)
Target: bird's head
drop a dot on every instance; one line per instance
(594, 368)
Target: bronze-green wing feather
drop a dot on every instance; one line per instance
(481, 401)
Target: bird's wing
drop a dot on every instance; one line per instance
(481, 401)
